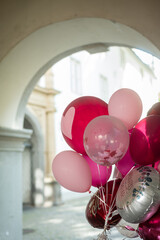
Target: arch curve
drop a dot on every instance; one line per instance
(36, 53)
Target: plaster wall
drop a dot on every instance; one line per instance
(21, 18)
(11, 149)
(23, 66)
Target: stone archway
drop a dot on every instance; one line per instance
(106, 33)
(36, 53)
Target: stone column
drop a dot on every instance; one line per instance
(52, 187)
(11, 149)
(50, 125)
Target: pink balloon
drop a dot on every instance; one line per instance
(72, 171)
(76, 117)
(125, 164)
(100, 174)
(157, 166)
(106, 140)
(126, 105)
(145, 141)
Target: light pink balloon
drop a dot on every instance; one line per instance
(100, 174)
(106, 140)
(126, 105)
(72, 171)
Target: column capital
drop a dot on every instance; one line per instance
(13, 139)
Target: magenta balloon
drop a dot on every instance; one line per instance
(145, 141)
(154, 110)
(76, 117)
(150, 230)
(125, 164)
(157, 166)
(126, 105)
(100, 174)
(72, 171)
(106, 140)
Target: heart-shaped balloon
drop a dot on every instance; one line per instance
(102, 206)
(76, 117)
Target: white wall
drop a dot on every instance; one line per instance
(121, 68)
(28, 61)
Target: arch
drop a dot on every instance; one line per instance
(37, 160)
(18, 19)
(36, 53)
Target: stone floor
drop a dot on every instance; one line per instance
(66, 221)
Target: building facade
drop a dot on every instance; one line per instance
(81, 74)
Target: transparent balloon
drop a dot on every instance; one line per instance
(106, 140)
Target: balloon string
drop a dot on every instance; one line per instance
(113, 200)
(103, 236)
(113, 187)
(107, 169)
(132, 168)
(107, 194)
(102, 189)
(113, 203)
(106, 220)
(99, 198)
(103, 197)
(109, 207)
(102, 194)
(98, 167)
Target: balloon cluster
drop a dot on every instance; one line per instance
(105, 137)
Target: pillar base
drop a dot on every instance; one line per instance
(11, 148)
(52, 192)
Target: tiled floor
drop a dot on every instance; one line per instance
(67, 222)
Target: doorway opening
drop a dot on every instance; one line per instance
(83, 73)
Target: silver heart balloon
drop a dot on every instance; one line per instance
(138, 196)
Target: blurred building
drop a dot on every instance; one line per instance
(82, 73)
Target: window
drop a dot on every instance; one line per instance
(104, 87)
(76, 83)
